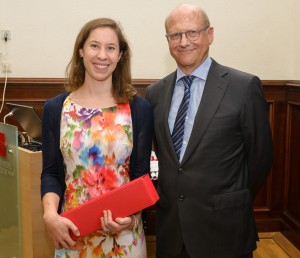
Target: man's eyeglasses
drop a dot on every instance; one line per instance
(190, 35)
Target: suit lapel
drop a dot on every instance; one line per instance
(168, 85)
(214, 90)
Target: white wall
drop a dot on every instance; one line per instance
(296, 46)
(257, 36)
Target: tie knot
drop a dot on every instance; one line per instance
(188, 80)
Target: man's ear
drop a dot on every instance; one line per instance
(210, 35)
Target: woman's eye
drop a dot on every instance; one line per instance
(111, 48)
(94, 46)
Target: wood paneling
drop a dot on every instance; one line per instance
(269, 201)
(277, 205)
(291, 208)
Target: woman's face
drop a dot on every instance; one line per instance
(100, 53)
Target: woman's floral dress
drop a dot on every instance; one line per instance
(96, 145)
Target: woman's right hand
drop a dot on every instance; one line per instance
(58, 228)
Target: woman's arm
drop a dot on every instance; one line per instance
(57, 226)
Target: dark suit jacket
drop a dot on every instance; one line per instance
(206, 201)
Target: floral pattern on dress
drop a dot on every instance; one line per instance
(96, 145)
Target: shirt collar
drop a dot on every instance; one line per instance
(200, 72)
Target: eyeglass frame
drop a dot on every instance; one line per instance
(185, 33)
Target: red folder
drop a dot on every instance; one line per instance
(123, 201)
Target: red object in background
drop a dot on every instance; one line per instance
(122, 202)
(2, 145)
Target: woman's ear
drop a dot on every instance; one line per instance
(120, 56)
(80, 52)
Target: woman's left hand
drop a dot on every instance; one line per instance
(113, 226)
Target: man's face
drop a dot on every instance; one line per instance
(189, 54)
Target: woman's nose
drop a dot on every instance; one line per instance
(101, 53)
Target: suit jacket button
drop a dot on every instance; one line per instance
(181, 197)
(180, 170)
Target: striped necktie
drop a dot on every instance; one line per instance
(178, 130)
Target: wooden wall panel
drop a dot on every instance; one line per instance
(293, 164)
(269, 202)
(277, 205)
(291, 209)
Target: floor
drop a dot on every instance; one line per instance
(271, 245)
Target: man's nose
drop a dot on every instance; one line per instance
(184, 40)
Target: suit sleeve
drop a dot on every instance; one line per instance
(257, 135)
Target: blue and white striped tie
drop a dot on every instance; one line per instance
(178, 130)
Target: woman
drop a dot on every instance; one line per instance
(96, 137)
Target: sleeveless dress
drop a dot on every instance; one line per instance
(96, 145)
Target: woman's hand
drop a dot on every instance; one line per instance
(113, 226)
(58, 228)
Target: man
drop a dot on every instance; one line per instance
(210, 172)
